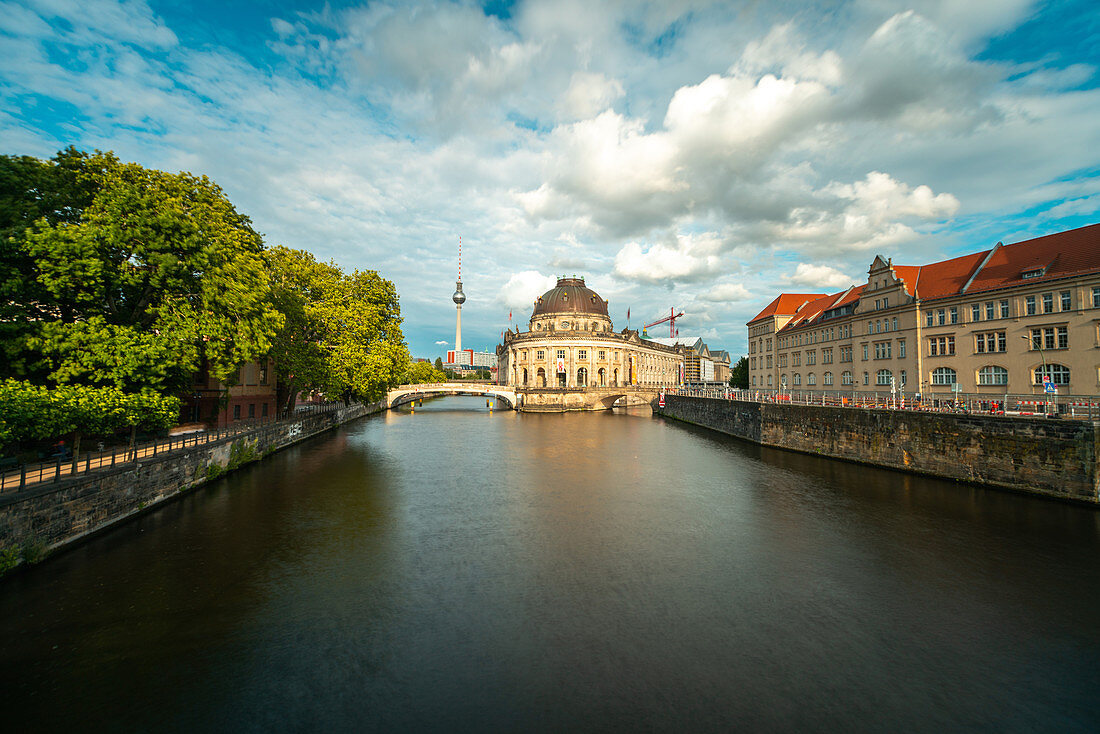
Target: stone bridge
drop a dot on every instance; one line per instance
(532, 399)
(409, 393)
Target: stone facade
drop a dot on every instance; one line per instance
(1038, 456)
(54, 515)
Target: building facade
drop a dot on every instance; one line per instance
(571, 343)
(999, 321)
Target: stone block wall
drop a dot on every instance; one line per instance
(1057, 458)
(49, 516)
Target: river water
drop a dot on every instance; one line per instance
(456, 570)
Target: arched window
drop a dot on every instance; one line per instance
(827, 378)
(540, 377)
(1059, 374)
(602, 374)
(992, 375)
(783, 379)
(846, 378)
(582, 377)
(811, 379)
(882, 377)
(944, 376)
(797, 379)
(525, 376)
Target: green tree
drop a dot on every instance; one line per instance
(739, 375)
(439, 363)
(341, 333)
(139, 279)
(423, 372)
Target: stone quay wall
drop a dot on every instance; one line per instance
(1056, 458)
(46, 517)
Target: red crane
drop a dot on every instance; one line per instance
(671, 319)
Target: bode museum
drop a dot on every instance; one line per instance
(570, 346)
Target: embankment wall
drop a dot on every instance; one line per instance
(50, 516)
(1056, 458)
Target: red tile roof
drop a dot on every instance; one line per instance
(786, 304)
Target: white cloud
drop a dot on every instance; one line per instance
(820, 277)
(523, 288)
(684, 259)
(726, 292)
(442, 343)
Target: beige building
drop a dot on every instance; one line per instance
(570, 343)
(994, 322)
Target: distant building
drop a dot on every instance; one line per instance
(217, 405)
(701, 365)
(996, 321)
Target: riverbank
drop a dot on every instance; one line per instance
(45, 518)
(1054, 458)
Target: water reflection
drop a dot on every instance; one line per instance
(449, 568)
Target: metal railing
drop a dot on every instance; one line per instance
(57, 468)
(1084, 407)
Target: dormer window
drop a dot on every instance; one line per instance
(1032, 273)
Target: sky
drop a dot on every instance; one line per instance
(691, 154)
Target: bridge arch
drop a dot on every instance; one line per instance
(409, 393)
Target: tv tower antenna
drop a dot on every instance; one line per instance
(459, 298)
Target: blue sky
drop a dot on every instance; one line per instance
(698, 154)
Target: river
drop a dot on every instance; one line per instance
(459, 570)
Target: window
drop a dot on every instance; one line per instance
(236, 412)
(976, 312)
(865, 351)
(901, 349)
(882, 350)
(894, 324)
(811, 379)
(1004, 309)
(582, 354)
(1067, 299)
(954, 314)
(941, 317)
(1059, 374)
(870, 327)
(992, 375)
(603, 355)
(782, 360)
(769, 380)
(940, 346)
(769, 365)
(263, 411)
(943, 376)
(993, 341)
(1029, 305)
(1050, 337)
(251, 410)
(263, 374)
(882, 377)
(811, 357)
(827, 356)
(866, 379)
(540, 354)
(797, 379)
(1048, 302)
(827, 378)
(902, 383)
(928, 321)
(754, 380)
(845, 378)
(1096, 296)
(561, 354)
(565, 324)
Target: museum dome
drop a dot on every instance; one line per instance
(570, 296)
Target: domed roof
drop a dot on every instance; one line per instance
(570, 296)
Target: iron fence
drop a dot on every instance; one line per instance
(58, 467)
(1084, 407)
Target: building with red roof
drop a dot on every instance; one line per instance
(1003, 320)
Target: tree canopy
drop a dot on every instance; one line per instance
(120, 275)
(423, 372)
(739, 375)
(342, 332)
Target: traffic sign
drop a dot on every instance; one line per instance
(1049, 387)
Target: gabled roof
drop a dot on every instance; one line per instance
(1060, 255)
(786, 304)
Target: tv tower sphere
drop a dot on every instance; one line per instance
(459, 297)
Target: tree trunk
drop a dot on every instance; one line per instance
(133, 442)
(76, 450)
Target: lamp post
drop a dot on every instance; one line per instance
(1046, 372)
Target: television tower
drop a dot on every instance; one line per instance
(459, 298)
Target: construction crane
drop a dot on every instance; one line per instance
(671, 319)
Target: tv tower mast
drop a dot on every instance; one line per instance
(459, 298)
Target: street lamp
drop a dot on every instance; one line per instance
(1046, 372)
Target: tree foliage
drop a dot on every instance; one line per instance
(423, 372)
(127, 276)
(33, 412)
(341, 334)
(739, 375)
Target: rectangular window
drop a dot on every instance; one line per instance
(811, 357)
(263, 374)
(941, 346)
(603, 355)
(901, 350)
(1004, 309)
(582, 354)
(980, 346)
(826, 356)
(894, 324)
(263, 411)
(928, 320)
(954, 315)
(561, 354)
(1067, 299)
(941, 317)
(769, 361)
(1096, 297)
(864, 351)
(902, 378)
(1048, 302)
(976, 312)
(1063, 337)
(251, 410)
(1029, 305)
(797, 359)
(540, 354)
(993, 341)
(990, 314)
(236, 412)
